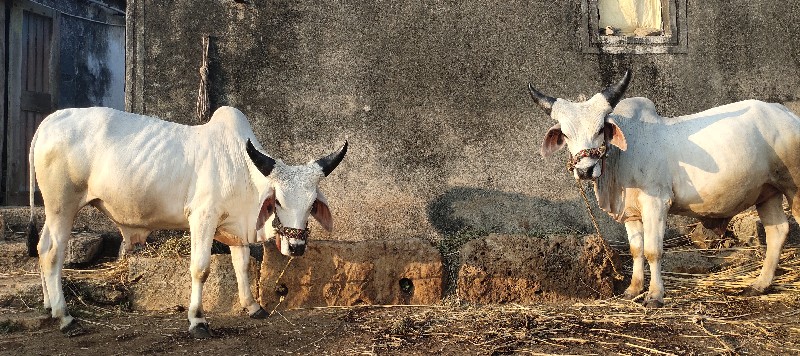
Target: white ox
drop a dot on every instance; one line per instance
(710, 165)
(146, 174)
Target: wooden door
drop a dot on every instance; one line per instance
(32, 78)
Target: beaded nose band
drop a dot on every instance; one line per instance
(596, 153)
(290, 232)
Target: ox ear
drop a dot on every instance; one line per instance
(553, 141)
(321, 212)
(267, 209)
(614, 134)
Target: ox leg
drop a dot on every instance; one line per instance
(51, 262)
(240, 257)
(202, 234)
(44, 248)
(654, 221)
(776, 228)
(635, 231)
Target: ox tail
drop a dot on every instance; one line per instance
(33, 232)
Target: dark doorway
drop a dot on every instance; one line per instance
(31, 86)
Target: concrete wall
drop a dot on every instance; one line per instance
(432, 96)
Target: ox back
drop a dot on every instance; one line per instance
(138, 170)
(716, 163)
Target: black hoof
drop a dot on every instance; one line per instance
(74, 328)
(752, 292)
(653, 304)
(200, 331)
(259, 314)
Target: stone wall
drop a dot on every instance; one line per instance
(432, 95)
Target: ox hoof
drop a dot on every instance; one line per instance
(74, 328)
(629, 296)
(200, 331)
(753, 292)
(259, 314)
(653, 304)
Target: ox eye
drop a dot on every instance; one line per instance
(277, 202)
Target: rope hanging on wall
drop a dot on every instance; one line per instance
(203, 105)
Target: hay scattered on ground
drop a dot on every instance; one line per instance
(703, 314)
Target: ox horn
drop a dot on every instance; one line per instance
(613, 93)
(263, 162)
(544, 101)
(329, 162)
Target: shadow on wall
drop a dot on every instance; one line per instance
(463, 214)
(479, 212)
(485, 211)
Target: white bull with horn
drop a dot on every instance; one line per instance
(711, 165)
(147, 174)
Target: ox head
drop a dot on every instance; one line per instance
(585, 127)
(294, 197)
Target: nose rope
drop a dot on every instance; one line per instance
(596, 153)
(290, 232)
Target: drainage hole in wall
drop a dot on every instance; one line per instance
(406, 286)
(281, 290)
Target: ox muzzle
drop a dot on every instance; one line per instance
(597, 153)
(290, 241)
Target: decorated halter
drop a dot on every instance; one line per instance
(290, 232)
(596, 153)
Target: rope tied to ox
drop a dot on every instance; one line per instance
(617, 275)
(596, 153)
(280, 289)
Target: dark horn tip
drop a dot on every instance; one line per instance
(613, 93)
(545, 102)
(263, 162)
(331, 161)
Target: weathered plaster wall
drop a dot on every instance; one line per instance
(432, 94)
(92, 55)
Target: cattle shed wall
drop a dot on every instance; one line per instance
(432, 94)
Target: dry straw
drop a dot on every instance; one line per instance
(703, 315)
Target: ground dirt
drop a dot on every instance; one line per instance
(703, 315)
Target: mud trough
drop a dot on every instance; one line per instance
(331, 273)
(494, 269)
(401, 271)
(524, 269)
